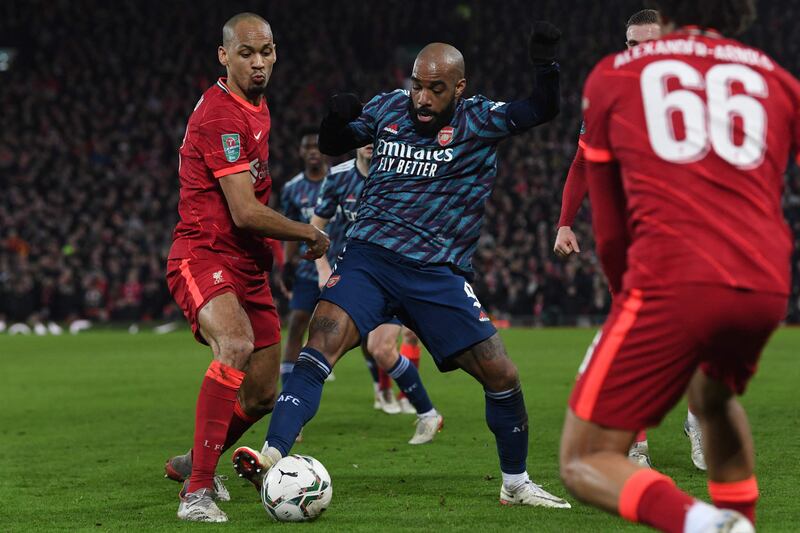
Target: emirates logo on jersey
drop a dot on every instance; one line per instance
(445, 135)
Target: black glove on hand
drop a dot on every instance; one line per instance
(345, 107)
(544, 42)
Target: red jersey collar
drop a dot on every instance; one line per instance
(221, 83)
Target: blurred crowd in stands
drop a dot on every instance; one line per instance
(95, 103)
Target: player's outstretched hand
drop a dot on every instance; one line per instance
(543, 43)
(345, 107)
(566, 243)
(318, 243)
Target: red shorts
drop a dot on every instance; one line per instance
(193, 282)
(653, 341)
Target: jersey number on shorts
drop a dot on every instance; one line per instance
(707, 126)
(471, 294)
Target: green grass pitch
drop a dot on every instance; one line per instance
(87, 421)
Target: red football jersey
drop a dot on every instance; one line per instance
(225, 135)
(702, 128)
(574, 189)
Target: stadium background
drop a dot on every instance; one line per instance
(95, 98)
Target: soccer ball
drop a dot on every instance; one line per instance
(296, 489)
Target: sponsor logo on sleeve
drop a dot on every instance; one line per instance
(232, 146)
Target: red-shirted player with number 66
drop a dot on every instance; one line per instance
(687, 140)
(218, 264)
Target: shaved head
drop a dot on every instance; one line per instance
(248, 54)
(437, 83)
(441, 58)
(229, 29)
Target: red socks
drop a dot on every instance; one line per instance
(737, 495)
(240, 422)
(384, 381)
(411, 352)
(641, 436)
(215, 407)
(651, 498)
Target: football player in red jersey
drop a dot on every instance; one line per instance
(687, 139)
(642, 26)
(218, 265)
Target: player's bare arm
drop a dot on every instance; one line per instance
(319, 222)
(322, 263)
(250, 214)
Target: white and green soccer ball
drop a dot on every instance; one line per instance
(296, 489)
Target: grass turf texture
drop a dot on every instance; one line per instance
(87, 422)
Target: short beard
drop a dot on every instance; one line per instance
(255, 92)
(440, 120)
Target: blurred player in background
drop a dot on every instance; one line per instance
(643, 26)
(409, 252)
(687, 140)
(218, 265)
(298, 198)
(339, 197)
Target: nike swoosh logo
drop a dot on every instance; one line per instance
(258, 135)
(555, 500)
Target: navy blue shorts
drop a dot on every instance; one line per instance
(373, 285)
(305, 294)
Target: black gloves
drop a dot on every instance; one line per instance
(543, 43)
(345, 107)
(335, 138)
